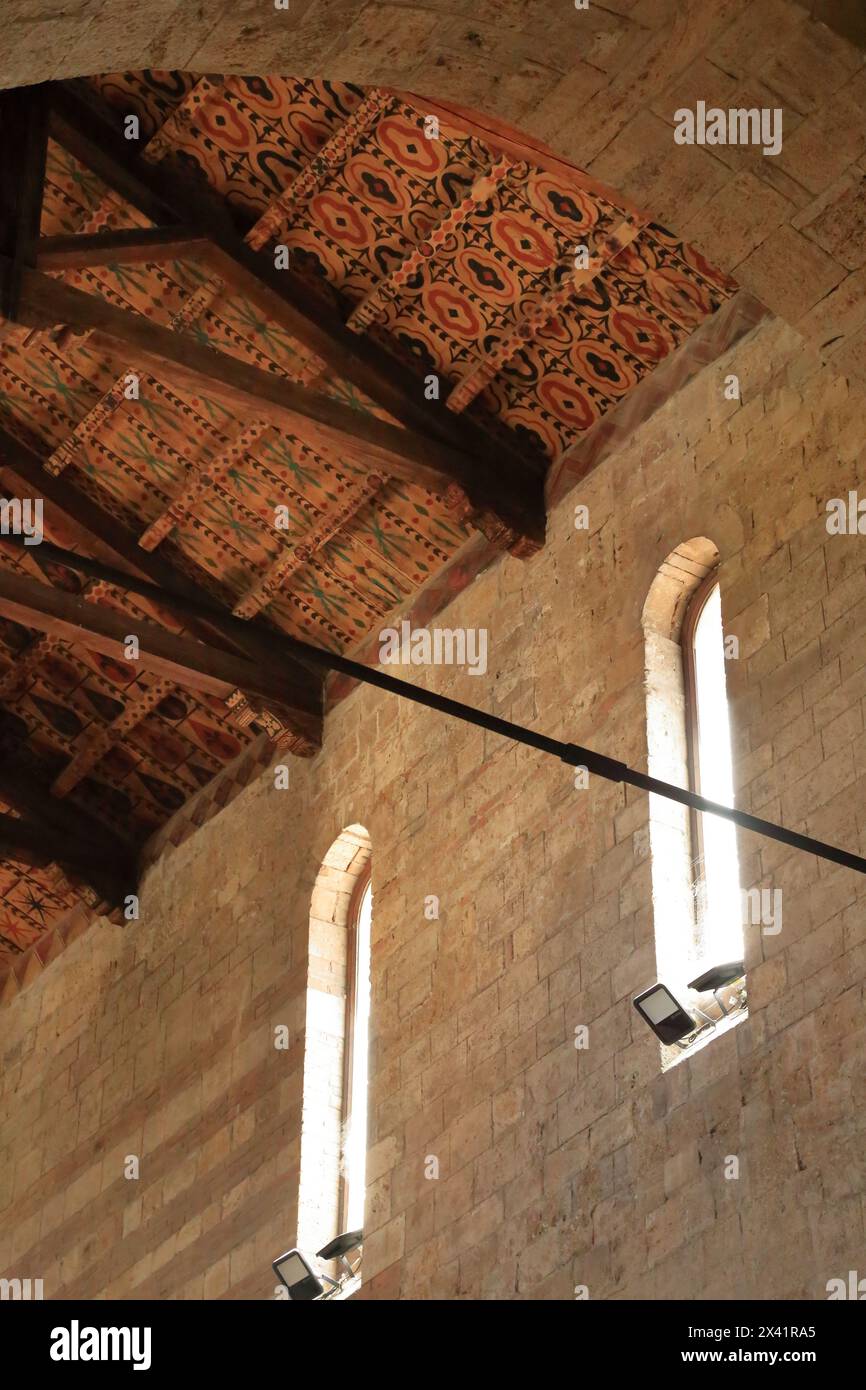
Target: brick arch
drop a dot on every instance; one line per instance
(598, 85)
(343, 871)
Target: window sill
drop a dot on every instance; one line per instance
(672, 1056)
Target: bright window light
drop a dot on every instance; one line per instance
(721, 932)
(356, 1139)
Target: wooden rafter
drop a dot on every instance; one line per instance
(97, 742)
(98, 222)
(200, 481)
(128, 246)
(79, 122)
(26, 664)
(110, 539)
(24, 140)
(504, 139)
(89, 426)
(374, 305)
(547, 308)
(183, 660)
(402, 453)
(285, 208)
(272, 652)
(297, 555)
(24, 667)
(188, 314)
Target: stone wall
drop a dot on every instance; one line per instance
(558, 1167)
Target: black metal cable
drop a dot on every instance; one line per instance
(573, 754)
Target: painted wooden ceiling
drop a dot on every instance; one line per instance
(456, 253)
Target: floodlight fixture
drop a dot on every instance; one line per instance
(306, 1284)
(664, 1014)
(340, 1248)
(716, 978)
(294, 1270)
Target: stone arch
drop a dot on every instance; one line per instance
(677, 580)
(343, 871)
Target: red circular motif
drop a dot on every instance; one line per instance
(565, 399)
(640, 334)
(569, 208)
(528, 243)
(340, 220)
(453, 312)
(407, 143)
(371, 180)
(224, 126)
(491, 281)
(596, 363)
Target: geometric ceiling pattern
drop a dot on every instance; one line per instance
(527, 298)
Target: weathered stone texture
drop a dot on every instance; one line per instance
(557, 1166)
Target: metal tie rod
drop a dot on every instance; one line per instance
(572, 753)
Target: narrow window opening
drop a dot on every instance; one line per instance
(356, 1072)
(697, 908)
(714, 841)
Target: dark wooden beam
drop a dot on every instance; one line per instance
(44, 302)
(37, 844)
(66, 108)
(62, 833)
(130, 246)
(23, 787)
(261, 644)
(24, 144)
(120, 547)
(181, 659)
(82, 124)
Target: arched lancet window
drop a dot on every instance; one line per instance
(355, 1067)
(695, 873)
(334, 1114)
(715, 865)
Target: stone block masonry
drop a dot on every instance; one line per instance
(557, 1167)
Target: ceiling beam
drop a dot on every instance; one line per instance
(376, 302)
(545, 310)
(261, 643)
(43, 302)
(189, 663)
(288, 206)
(295, 555)
(198, 482)
(129, 246)
(58, 831)
(120, 546)
(22, 787)
(95, 742)
(37, 844)
(80, 121)
(24, 140)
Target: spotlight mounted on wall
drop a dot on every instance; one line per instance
(717, 978)
(664, 1014)
(307, 1284)
(671, 1023)
(297, 1274)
